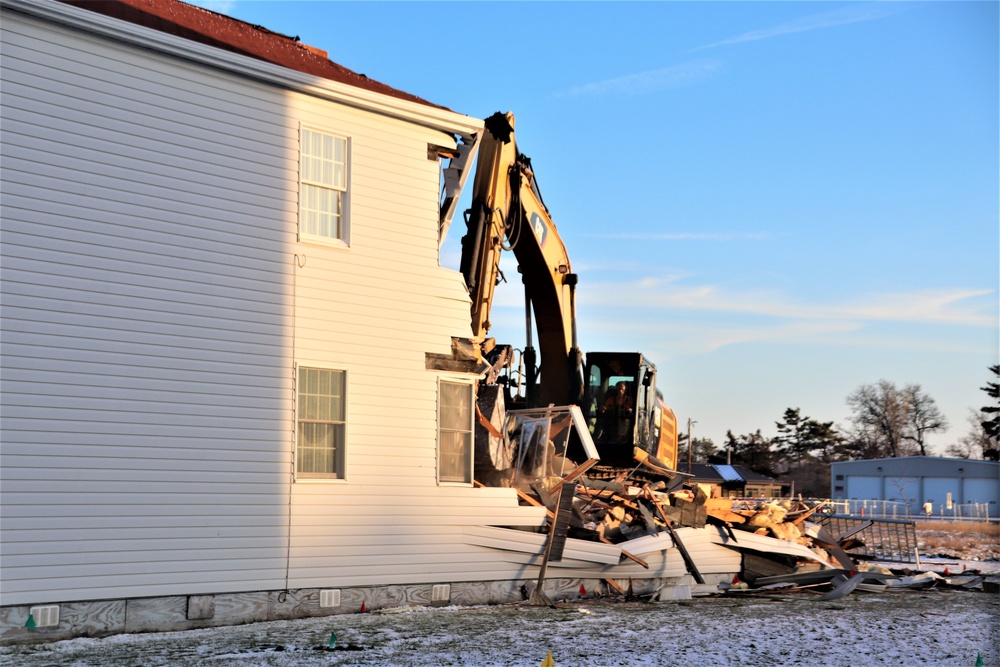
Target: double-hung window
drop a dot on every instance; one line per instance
(455, 432)
(323, 187)
(322, 423)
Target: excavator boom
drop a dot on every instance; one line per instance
(508, 213)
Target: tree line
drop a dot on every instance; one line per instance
(886, 421)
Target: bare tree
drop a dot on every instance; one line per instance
(923, 416)
(889, 421)
(976, 444)
(880, 419)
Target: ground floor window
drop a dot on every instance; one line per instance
(321, 423)
(455, 432)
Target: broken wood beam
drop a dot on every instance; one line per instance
(614, 585)
(631, 557)
(688, 561)
(808, 513)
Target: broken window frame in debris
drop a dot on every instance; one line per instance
(455, 433)
(544, 427)
(312, 390)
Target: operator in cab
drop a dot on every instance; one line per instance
(618, 407)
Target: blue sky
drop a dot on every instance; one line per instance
(776, 202)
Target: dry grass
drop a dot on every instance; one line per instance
(979, 541)
(991, 530)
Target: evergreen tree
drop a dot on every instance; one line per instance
(991, 417)
(752, 450)
(800, 437)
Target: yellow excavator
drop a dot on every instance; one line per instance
(616, 391)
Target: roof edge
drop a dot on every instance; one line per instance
(953, 459)
(118, 30)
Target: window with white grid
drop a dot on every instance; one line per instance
(322, 423)
(323, 188)
(455, 432)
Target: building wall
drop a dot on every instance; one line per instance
(156, 302)
(147, 338)
(916, 480)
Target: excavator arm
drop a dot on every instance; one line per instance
(508, 213)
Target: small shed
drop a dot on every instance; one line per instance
(732, 481)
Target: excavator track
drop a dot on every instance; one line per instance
(637, 473)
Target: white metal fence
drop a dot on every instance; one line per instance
(890, 509)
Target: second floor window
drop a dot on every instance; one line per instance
(323, 189)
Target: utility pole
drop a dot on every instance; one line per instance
(690, 421)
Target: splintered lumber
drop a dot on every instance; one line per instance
(808, 513)
(556, 542)
(532, 501)
(722, 509)
(635, 559)
(631, 557)
(614, 584)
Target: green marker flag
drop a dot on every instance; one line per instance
(31, 625)
(333, 640)
(979, 659)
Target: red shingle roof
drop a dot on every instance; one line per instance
(207, 27)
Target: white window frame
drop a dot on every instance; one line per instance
(341, 474)
(343, 189)
(469, 469)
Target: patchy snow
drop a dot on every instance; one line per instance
(894, 628)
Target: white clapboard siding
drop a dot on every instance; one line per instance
(147, 333)
(156, 303)
(707, 548)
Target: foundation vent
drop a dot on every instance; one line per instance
(329, 598)
(45, 617)
(441, 593)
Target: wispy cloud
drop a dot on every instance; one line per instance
(650, 81)
(784, 332)
(854, 14)
(686, 236)
(954, 307)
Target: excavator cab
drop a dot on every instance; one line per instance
(619, 404)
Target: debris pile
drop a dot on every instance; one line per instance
(586, 501)
(614, 506)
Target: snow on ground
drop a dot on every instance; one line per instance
(899, 628)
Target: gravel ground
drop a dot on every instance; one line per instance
(902, 627)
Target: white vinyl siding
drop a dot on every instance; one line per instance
(323, 192)
(156, 296)
(322, 423)
(455, 432)
(148, 206)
